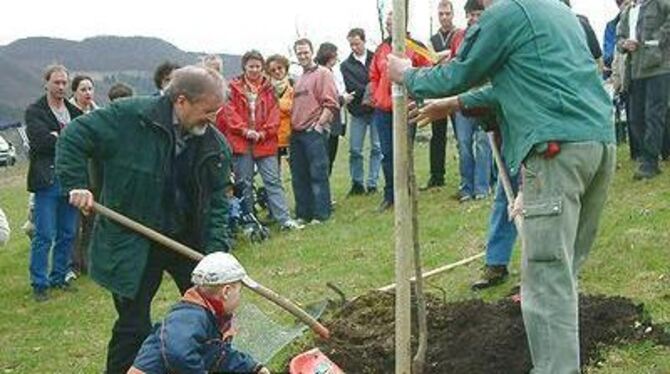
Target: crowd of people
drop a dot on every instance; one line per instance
(188, 160)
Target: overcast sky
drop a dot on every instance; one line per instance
(231, 26)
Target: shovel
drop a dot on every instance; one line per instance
(265, 292)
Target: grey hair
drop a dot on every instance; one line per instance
(194, 82)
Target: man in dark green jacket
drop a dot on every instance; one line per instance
(559, 126)
(163, 165)
(643, 35)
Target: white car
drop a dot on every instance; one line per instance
(7, 153)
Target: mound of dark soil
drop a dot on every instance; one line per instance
(473, 336)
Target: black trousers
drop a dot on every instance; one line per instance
(438, 149)
(649, 104)
(333, 142)
(133, 324)
(665, 152)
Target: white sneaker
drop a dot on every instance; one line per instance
(70, 276)
(314, 222)
(28, 228)
(291, 225)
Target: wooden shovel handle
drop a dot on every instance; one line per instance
(265, 292)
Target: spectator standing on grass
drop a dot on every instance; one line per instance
(609, 39)
(250, 120)
(326, 56)
(615, 70)
(567, 150)
(474, 152)
(445, 42)
(643, 35)
(83, 93)
(315, 103)
(55, 221)
(164, 166)
(356, 74)
(502, 232)
(380, 93)
(277, 68)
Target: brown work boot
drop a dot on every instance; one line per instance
(493, 276)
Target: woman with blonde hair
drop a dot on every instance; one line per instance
(277, 67)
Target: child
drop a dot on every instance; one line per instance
(195, 336)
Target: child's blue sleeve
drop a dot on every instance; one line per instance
(234, 361)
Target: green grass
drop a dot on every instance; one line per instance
(631, 257)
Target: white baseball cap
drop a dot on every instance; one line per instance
(219, 268)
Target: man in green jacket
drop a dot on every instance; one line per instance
(163, 165)
(643, 35)
(559, 126)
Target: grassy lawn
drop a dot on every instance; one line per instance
(69, 333)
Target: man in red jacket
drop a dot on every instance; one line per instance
(380, 89)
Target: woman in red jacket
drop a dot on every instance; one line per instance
(250, 121)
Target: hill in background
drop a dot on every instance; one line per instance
(107, 59)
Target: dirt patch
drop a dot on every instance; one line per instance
(473, 336)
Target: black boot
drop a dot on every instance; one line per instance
(647, 170)
(433, 182)
(356, 189)
(493, 276)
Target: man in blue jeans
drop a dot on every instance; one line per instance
(474, 153)
(474, 156)
(54, 218)
(315, 102)
(355, 71)
(500, 239)
(502, 232)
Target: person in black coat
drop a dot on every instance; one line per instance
(355, 73)
(54, 218)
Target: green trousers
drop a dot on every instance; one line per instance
(563, 199)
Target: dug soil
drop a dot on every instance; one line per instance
(473, 336)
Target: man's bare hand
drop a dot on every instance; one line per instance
(630, 45)
(397, 67)
(435, 110)
(82, 200)
(348, 97)
(253, 135)
(516, 208)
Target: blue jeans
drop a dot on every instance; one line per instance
(474, 154)
(502, 232)
(357, 129)
(309, 175)
(268, 167)
(55, 226)
(383, 121)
